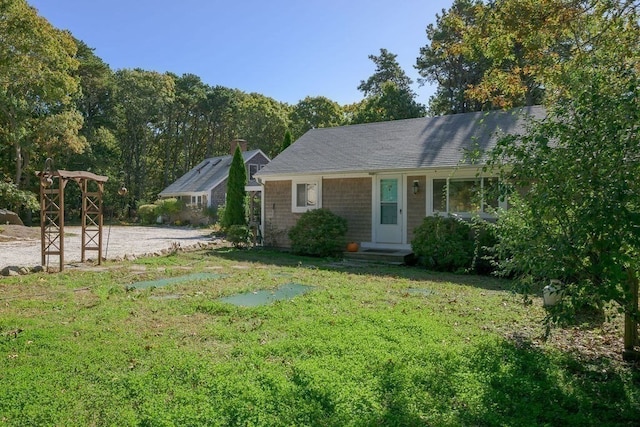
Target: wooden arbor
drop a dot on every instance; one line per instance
(52, 185)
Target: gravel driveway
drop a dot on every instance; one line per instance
(117, 242)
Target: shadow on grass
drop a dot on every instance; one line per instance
(286, 259)
(497, 384)
(518, 384)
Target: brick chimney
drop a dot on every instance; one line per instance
(238, 142)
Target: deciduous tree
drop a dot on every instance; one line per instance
(37, 85)
(392, 103)
(141, 98)
(315, 112)
(577, 220)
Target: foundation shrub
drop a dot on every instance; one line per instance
(443, 243)
(319, 232)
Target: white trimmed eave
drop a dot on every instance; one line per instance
(466, 169)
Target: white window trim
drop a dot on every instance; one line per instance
(502, 204)
(258, 166)
(294, 194)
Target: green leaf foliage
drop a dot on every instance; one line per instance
(446, 62)
(286, 141)
(170, 206)
(443, 243)
(238, 235)
(235, 206)
(319, 232)
(577, 219)
(148, 213)
(313, 113)
(37, 85)
(14, 199)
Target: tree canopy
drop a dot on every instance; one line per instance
(448, 63)
(578, 214)
(388, 93)
(315, 112)
(38, 82)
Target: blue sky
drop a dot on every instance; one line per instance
(285, 49)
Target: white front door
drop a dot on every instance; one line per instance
(389, 216)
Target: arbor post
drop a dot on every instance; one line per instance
(52, 211)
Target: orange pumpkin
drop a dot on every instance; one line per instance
(352, 247)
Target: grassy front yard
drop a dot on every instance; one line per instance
(367, 346)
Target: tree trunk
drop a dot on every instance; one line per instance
(631, 321)
(18, 177)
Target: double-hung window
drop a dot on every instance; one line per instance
(305, 195)
(253, 169)
(465, 195)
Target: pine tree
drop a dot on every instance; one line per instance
(235, 209)
(286, 141)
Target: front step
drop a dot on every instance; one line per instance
(386, 256)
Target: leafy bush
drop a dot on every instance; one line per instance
(147, 213)
(220, 214)
(13, 198)
(319, 232)
(168, 207)
(443, 244)
(484, 259)
(453, 244)
(239, 235)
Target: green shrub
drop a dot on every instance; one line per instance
(14, 199)
(147, 213)
(168, 207)
(443, 244)
(239, 235)
(220, 214)
(319, 232)
(484, 260)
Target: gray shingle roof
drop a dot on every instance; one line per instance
(426, 142)
(206, 175)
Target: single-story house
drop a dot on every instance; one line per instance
(385, 177)
(205, 186)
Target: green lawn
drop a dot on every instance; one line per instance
(368, 346)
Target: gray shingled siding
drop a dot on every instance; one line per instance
(416, 204)
(278, 218)
(218, 195)
(258, 159)
(350, 198)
